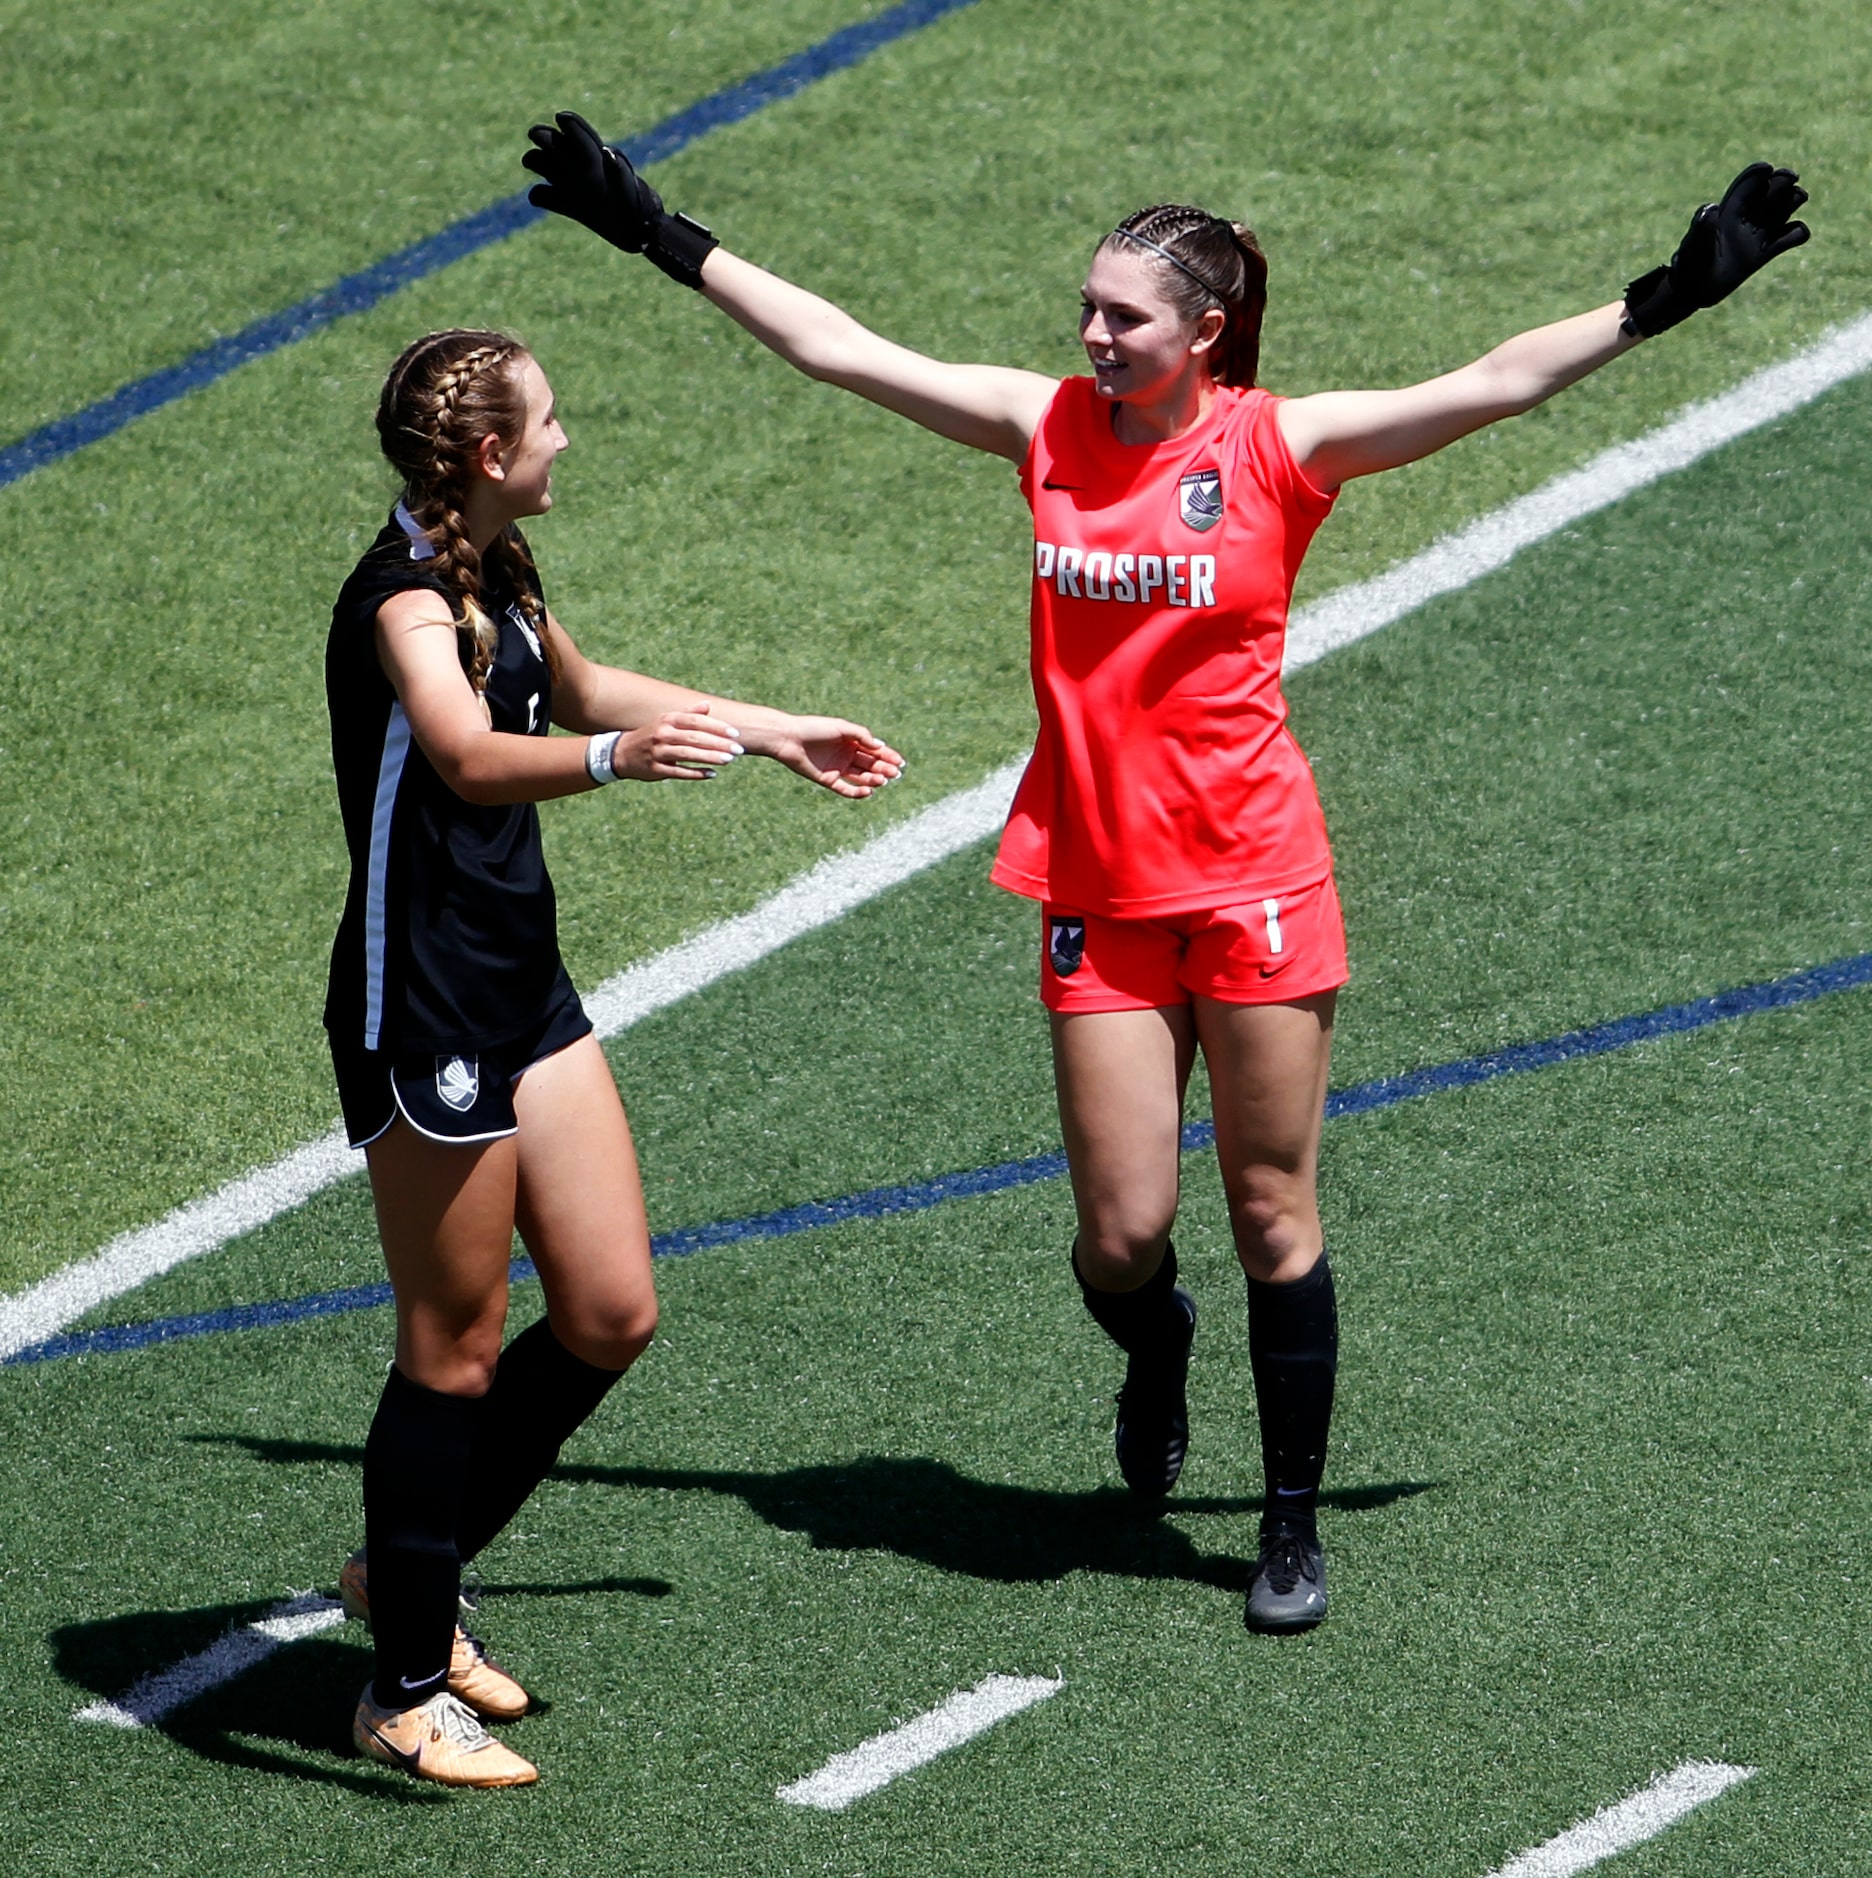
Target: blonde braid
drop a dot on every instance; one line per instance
(443, 395)
(459, 565)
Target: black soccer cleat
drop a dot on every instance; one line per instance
(1152, 1436)
(1288, 1590)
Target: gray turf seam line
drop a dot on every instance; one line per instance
(845, 881)
(1617, 1828)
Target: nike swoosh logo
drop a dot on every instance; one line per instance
(412, 1763)
(1047, 483)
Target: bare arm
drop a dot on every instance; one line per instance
(1337, 435)
(670, 733)
(988, 407)
(984, 406)
(830, 751)
(416, 643)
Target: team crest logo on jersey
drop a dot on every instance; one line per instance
(1199, 499)
(458, 1081)
(1066, 945)
(517, 614)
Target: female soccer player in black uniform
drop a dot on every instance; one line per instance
(1167, 822)
(467, 1070)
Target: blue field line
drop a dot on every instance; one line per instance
(357, 293)
(1848, 974)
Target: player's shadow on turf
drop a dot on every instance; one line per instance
(289, 1715)
(296, 1453)
(925, 1510)
(286, 1453)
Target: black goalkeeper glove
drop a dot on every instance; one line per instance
(1727, 242)
(587, 180)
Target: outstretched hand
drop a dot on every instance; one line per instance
(586, 179)
(1726, 242)
(837, 755)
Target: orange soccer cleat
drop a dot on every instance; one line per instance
(474, 1676)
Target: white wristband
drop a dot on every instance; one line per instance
(598, 752)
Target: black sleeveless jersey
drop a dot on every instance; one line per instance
(449, 940)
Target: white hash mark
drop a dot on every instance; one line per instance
(161, 1692)
(848, 1777)
(1615, 1829)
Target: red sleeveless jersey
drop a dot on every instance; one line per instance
(1164, 777)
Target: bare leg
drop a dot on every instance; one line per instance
(581, 1215)
(1267, 1073)
(1121, 1077)
(1267, 1066)
(581, 1209)
(445, 1213)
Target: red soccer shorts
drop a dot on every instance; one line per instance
(1270, 951)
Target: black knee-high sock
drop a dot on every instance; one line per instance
(415, 1463)
(1293, 1347)
(541, 1393)
(1137, 1321)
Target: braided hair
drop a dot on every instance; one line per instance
(443, 395)
(1201, 261)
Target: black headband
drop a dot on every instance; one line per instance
(1182, 267)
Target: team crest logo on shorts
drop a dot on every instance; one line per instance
(1199, 499)
(458, 1081)
(1066, 945)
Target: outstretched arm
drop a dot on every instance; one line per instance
(665, 733)
(1337, 435)
(987, 407)
(1341, 434)
(670, 734)
(679, 727)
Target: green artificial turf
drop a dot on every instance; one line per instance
(1594, 1510)
(182, 169)
(166, 899)
(1621, 773)
(1595, 1498)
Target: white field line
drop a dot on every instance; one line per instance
(848, 1777)
(156, 1695)
(46, 1308)
(1615, 1829)
(901, 1750)
(835, 886)
(819, 896)
(816, 898)
(1493, 540)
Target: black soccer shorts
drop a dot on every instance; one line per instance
(465, 1096)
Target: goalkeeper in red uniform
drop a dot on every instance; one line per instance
(1167, 822)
